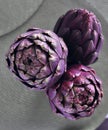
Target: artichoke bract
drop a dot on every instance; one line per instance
(77, 94)
(82, 33)
(38, 58)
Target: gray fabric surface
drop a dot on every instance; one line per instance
(101, 6)
(25, 109)
(13, 13)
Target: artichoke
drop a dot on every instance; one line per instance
(77, 94)
(37, 58)
(82, 33)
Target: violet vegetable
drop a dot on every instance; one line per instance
(38, 58)
(82, 33)
(77, 94)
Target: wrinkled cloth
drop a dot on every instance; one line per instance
(104, 125)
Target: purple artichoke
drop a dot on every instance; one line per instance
(77, 94)
(38, 58)
(82, 33)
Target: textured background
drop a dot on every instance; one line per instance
(22, 108)
(14, 13)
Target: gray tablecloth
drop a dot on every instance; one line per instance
(25, 109)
